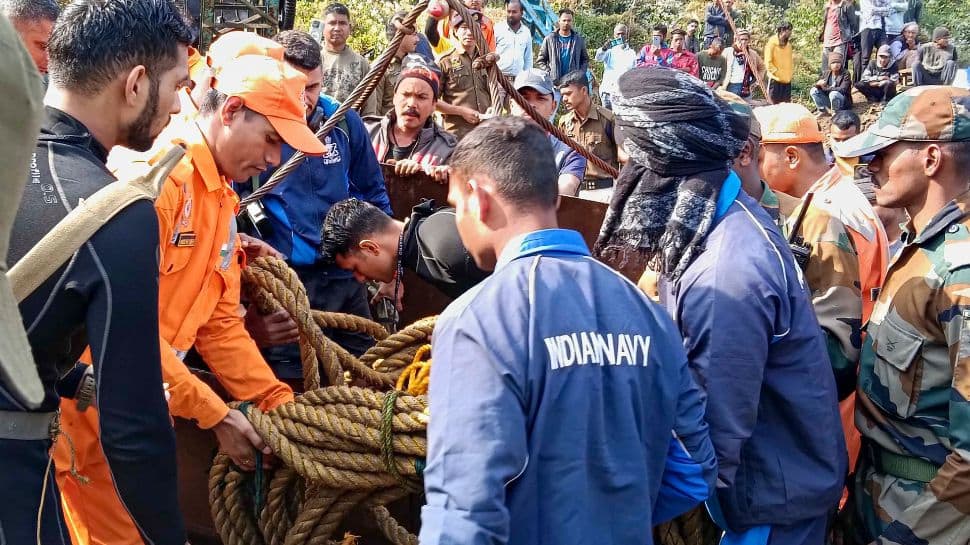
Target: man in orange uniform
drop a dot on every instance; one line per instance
(255, 105)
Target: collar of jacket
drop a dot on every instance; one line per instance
(426, 134)
(954, 212)
(198, 152)
(60, 125)
(543, 241)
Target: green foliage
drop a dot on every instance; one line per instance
(955, 16)
(596, 19)
(368, 19)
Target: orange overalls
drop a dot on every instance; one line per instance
(200, 265)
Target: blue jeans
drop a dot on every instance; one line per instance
(735, 88)
(833, 100)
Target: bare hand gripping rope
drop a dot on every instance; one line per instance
(367, 85)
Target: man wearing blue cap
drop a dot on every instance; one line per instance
(536, 88)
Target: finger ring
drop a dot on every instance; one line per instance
(246, 461)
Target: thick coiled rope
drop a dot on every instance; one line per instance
(340, 447)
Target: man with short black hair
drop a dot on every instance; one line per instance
(33, 20)
(381, 99)
(691, 43)
(656, 52)
(343, 68)
(592, 126)
(360, 238)
(537, 89)
(115, 68)
(294, 209)
(570, 337)
(936, 62)
(779, 64)
(683, 60)
(564, 50)
(845, 125)
(513, 41)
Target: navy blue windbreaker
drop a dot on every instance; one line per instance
(563, 411)
(755, 346)
(297, 207)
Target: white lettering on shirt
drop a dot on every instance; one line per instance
(590, 347)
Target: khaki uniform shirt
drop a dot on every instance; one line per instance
(595, 133)
(462, 85)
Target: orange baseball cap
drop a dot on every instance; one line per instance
(232, 45)
(272, 88)
(195, 64)
(788, 123)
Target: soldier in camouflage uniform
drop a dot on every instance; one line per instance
(914, 384)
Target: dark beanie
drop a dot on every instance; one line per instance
(414, 66)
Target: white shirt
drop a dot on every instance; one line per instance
(616, 61)
(514, 48)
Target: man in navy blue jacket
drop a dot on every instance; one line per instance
(563, 409)
(731, 283)
(296, 209)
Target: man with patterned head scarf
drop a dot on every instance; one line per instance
(740, 302)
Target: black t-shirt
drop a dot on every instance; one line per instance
(433, 250)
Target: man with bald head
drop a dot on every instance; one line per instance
(617, 57)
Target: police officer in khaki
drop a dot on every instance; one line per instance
(913, 407)
(464, 90)
(592, 126)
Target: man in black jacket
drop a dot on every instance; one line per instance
(878, 81)
(359, 237)
(834, 91)
(563, 51)
(115, 68)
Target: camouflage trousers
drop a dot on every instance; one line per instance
(882, 499)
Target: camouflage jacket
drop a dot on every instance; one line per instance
(840, 196)
(832, 275)
(914, 381)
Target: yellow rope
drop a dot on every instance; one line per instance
(417, 377)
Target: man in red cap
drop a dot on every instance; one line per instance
(255, 104)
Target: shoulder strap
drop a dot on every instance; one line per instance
(58, 245)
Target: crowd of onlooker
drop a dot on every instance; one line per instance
(872, 46)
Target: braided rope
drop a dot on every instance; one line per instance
(340, 446)
(355, 100)
(495, 76)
